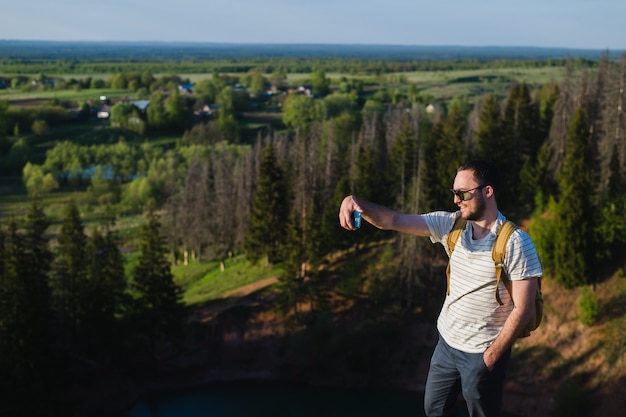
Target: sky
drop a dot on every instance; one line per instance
(575, 24)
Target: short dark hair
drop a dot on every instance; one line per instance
(485, 172)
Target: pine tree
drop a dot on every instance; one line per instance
(291, 278)
(573, 244)
(548, 95)
(158, 305)
(69, 273)
(369, 159)
(366, 175)
(14, 363)
(37, 244)
(522, 130)
(610, 230)
(432, 184)
(448, 154)
(105, 286)
(270, 211)
(36, 280)
(316, 248)
(492, 143)
(403, 162)
(23, 329)
(615, 182)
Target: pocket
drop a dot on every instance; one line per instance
(479, 364)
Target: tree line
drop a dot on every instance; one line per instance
(70, 307)
(361, 63)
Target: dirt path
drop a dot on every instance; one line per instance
(250, 288)
(231, 298)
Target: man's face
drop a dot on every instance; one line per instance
(471, 203)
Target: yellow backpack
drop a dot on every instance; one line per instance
(497, 253)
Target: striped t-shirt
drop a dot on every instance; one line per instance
(471, 318)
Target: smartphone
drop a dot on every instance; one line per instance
(356, 219)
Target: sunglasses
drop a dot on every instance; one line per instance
(465, 195)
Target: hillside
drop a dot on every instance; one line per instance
(564, 368)
(567, 367)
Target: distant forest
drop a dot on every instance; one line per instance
(89, 57)
(195, 50)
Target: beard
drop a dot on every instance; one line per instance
(478, 211)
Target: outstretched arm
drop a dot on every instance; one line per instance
(381, 217)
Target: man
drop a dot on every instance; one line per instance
(475, 333)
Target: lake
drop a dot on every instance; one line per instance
(279, 399)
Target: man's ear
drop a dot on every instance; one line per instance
(490, 191)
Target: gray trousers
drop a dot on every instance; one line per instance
(453, 372)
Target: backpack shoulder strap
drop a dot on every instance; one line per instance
(497, 253)
(453, 237)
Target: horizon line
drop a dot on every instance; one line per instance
(304, 44)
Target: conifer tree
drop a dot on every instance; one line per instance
(69, 273)
(367, 184)
(548, 95)
(270, 211)
(36, 280)
(24, 313)
(403, 162)
(105, 286)
(293, 256)
(158, 304)
(13, 363)
(366, 176)
(23, 337)
(492, 143)
(610, 230)
(448, 153)
(316, 248)
(573, 244)
(615, 182)
(521, 123)
(432, 194)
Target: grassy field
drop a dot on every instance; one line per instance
(440, 84)
(205, 282)
(14, 96)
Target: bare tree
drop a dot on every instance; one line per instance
(195, 199)
(612, 122)
(563, 111)
(245, 173)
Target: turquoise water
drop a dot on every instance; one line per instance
(270, 399)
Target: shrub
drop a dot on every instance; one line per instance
(40, 127)
(588, 306)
